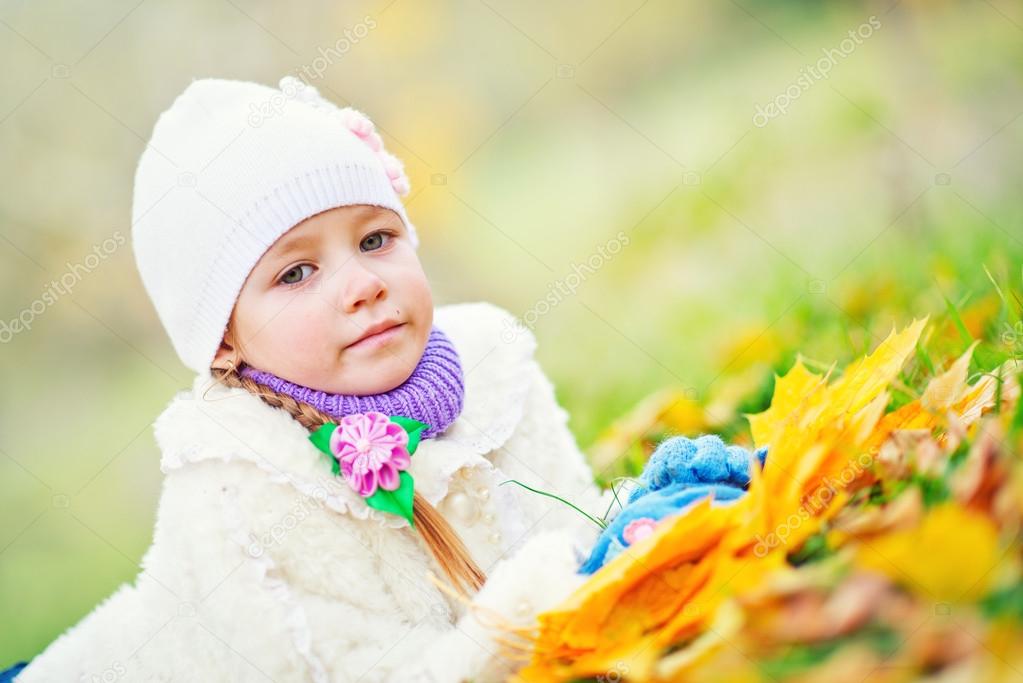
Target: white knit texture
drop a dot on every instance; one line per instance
(230, 167)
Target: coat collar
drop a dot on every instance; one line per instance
(211, 421)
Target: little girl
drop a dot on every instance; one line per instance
(333, 477)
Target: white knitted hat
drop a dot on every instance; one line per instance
(232, 166)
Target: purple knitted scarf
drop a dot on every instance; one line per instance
(432, 394)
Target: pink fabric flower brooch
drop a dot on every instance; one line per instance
(372, 452)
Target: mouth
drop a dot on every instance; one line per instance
(377, 335)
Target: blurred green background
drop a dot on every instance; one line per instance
(534, 133)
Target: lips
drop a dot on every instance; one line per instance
(375, 331)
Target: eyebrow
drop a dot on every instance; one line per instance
(294, 244)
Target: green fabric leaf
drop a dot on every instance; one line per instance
(398, 502)
(414, 428)
(321, 437)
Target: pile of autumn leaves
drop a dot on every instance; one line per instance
(878, 544)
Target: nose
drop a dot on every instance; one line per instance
(361, 286)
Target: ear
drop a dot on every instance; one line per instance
(227, 355)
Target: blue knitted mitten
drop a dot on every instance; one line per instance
(680, 472)
(704, 460)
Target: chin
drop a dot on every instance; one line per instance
(384, 378)
(398, 375)
(388, 371)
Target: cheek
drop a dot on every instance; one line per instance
(414, 289)
(288, 330)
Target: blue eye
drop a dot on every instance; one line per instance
(288, 278)
(376, 240)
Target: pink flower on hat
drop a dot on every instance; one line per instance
(357, 122)
(371, 450)
(363, 128)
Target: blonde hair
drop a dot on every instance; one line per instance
(441, 540)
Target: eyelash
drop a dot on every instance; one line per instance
(391, 234)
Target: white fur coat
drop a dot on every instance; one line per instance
(265, 567)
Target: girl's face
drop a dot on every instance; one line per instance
(307, 311)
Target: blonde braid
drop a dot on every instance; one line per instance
(441, 540)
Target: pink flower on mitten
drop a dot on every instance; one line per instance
(638, 529)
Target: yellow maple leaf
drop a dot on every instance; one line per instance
(948, 387)
(869, 376)
(790, 390)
